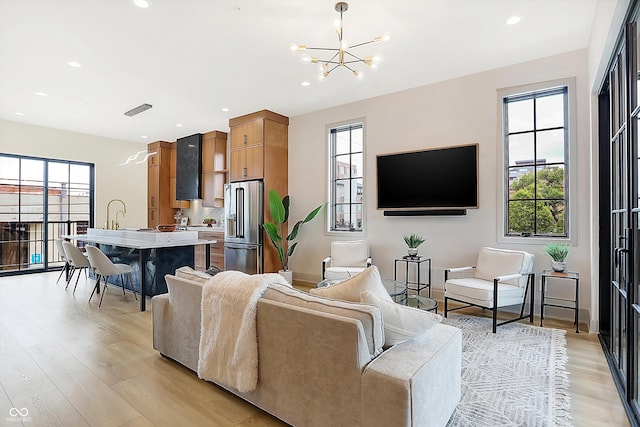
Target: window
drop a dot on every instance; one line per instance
(536, 141)
(41, 200)
(346, 185)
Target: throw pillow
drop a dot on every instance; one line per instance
(189, 273)
(401, 323)
(350, 289)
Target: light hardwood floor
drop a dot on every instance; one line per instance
(70, 363)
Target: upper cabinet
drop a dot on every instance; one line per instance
(159, 209)
(214, 168)
(257, 140)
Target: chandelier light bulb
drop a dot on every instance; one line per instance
(359, 74)
(338, 24)
(377, 58)
(344, 45)
(306, 59)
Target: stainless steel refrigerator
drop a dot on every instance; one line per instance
(243, 209)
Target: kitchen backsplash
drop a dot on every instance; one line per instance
(197, 213)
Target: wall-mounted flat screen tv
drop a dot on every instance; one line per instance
(439, 178)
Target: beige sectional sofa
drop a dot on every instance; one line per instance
(322, 361)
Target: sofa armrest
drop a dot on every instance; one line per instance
(447, 271)
(415, 383)
(325, 262)
(176, 321)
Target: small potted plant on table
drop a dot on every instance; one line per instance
(558, 254)
(413, 241)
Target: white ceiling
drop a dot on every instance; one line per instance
(191, 58)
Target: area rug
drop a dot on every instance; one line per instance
(516, 377)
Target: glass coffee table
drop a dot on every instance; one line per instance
(422, 303)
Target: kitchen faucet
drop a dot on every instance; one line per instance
(106, 225)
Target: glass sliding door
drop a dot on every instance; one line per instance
(40, 201)
(619, 152)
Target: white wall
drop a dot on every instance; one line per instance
(128, 182)
(458, 111)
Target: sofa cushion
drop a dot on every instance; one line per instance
(350, 289)
(480, 292)
(193, 275)
(401, 323)
(369, 317)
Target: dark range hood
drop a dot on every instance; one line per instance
(188, 167)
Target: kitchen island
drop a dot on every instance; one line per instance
(151, 254)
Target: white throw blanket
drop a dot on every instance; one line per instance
(228, 336)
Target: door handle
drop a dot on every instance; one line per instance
(244, 139)
(244, 171)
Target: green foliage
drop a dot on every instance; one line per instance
(413, 240)
(279, 209)
(548, 214)
(557, 252)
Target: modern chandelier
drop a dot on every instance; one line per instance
(342, 55)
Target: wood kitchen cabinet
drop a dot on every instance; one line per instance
(214, 168)
(159, 210)
(216, 251)
(259, 147)
(175, 203)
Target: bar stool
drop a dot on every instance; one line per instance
(77, 260)
(103, 267)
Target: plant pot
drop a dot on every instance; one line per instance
(287, 274)
(558, 266)
(413, 252)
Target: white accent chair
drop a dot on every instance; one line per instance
(63, 257)
(501, 278)
(347, 259)
(104, 268)
(77, 261)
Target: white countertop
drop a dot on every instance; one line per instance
(141, 239)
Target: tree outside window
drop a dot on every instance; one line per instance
(536, 141)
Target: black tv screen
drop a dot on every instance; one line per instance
(429, 179)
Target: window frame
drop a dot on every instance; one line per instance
(353, 124)
(570, 163)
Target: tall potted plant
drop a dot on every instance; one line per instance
(285, 246)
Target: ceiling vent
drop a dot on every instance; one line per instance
(139, 109)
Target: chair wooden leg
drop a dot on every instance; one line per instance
(97, 286)
(61, 272)
(73, 270)
(122, 283)
(104, 291)
(133, 288)
(77, 278)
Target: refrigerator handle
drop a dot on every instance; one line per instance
(240, 212)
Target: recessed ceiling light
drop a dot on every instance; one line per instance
(514, 20)
(179, 125)
(74, 64)
(305, 83)
(141, 3)
(144, 137)
(225, 109)
(19, 114)
(40, 93)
